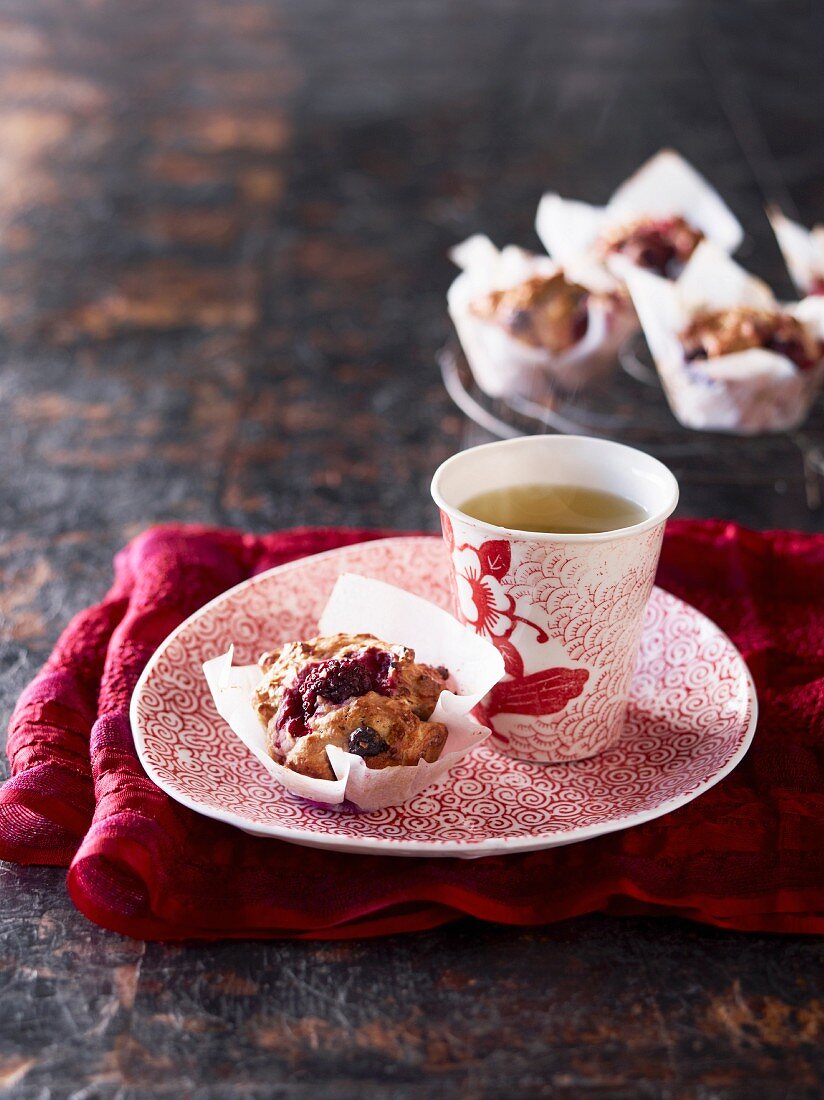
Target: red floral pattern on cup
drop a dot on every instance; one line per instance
(482, 602)
(485, 606)
(567, 622)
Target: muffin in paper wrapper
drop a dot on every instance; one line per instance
(745, 392)
(505, 366)
(802, 249)
(360, 605)
(666, 186)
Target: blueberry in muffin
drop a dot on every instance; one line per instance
(352, 691)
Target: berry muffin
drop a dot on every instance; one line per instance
(352, 691)
(730, 356)
(653, 222)
(529, 327)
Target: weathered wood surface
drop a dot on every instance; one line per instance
(221, 290)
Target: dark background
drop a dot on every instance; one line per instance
(223, 230)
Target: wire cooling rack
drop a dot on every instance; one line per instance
(630, 407)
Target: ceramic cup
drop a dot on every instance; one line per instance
(566, 611)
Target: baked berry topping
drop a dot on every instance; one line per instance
(662, 245)
(366, 742)
(335, 680)
(793, 348)
(443, 672)
(726, 331)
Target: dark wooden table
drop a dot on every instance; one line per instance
(223, 241)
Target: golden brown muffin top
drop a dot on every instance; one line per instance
(309, 690)
(725, 331)
(545, 311)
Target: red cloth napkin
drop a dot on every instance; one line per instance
(747, 854)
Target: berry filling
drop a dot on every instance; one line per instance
(662, 245)
(335, 681)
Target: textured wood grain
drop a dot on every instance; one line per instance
(222, 269)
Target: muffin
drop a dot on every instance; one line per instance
(352, 691)
(528, 326)
(730, 356)
(654, 221)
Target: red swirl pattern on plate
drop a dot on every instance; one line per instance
(690, 720)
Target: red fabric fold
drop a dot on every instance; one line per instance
(746, 854)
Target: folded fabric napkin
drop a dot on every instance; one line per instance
(746, 854)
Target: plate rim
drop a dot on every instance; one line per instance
(397, 846)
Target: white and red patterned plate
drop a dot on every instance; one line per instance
(691, 719)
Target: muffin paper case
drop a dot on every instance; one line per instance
(502, 365)
(802, 249)
(666, 186)
(359, 605)
(745, 392)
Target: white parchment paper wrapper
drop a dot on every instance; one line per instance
(666, 186)
(745, 392)
(802, 249)
(360, 605)
(504, 366)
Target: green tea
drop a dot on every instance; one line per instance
(554, 509)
